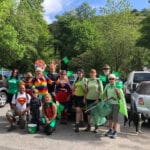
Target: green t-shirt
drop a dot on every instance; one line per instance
(12, 85)
(78, 88)
(111, 93)
(94, 86)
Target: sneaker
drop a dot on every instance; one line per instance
(11, 128)
(109, 132)
(113, 135)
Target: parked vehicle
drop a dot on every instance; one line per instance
(134, 78)
(140, 100)
(3, 93)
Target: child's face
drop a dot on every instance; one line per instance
(47, 98)
(35, 94)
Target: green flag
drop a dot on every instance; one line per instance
(103, 78)
(65, 60)
(119, 84)
(117, 74)
(69, 73)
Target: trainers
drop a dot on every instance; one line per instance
(11, 128)
(109, 132)
(113, 135)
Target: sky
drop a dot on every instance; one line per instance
(58, 7)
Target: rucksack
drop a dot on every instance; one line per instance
(27, 96)
(98, 82)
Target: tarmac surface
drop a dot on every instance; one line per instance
(64, 138)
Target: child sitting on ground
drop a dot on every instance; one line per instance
(50, 113)
(35, 108)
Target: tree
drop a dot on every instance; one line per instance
(145, 32)
(28, 27)
(120, 32)
(74, 32)
(10, 48)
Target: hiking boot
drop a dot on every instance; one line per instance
(95, 130)
(76, 128)
(88, 128)
(81, 124)
(109, 132)
(11, 128)
(113, 135)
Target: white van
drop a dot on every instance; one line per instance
(134, 78)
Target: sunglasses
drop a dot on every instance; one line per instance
(105, 68)
(111, 78)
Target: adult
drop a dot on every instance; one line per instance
(94, 90)
(63, 93)
(12, 83)
(40, 82)
(113, 94)
(79, 92)
(20, 107)
(54, 77)
(27, 81)
(106, 73)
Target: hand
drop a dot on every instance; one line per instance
(84, 101)
(96, 101)
(19, 113)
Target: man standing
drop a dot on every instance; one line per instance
(20, 107)
(54, 77)
(106, 72)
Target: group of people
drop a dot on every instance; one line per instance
(47, 91)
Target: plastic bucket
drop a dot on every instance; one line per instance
(32, 128)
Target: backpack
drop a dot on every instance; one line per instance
(27, 96)
(98, 82)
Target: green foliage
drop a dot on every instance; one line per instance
(145, 31)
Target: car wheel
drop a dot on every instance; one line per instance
(3, 99)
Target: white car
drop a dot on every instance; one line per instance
(134, 78)
(3, 93)
(140, 99)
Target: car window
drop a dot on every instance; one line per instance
(138, 77)
(144, 89)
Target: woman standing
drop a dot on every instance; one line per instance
(94, 90)
(12, 84)
(113, 94)
(63, 93)
(79, 92)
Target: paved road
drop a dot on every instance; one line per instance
(66, 139)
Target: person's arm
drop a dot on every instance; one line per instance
(5, 82)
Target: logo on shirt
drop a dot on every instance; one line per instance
(21, 100)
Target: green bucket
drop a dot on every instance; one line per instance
(32, 128)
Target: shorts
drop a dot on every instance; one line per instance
(89, 102)
(61, 96)
(22, 119)
(78, 101)
(9, 98)
(66, 104)
(114, 113)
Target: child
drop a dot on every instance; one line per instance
(35, 107)
(50, 113)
